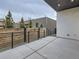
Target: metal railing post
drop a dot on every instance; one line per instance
(24, 34)
(12, 40)
(38, 33)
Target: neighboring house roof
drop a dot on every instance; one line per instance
(60, 5)
(42, 18)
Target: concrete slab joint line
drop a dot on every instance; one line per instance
(35, 51)
(42, 55)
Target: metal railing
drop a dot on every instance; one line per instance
(13, 39)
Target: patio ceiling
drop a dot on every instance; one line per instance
(60, 5)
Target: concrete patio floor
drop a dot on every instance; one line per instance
(45, 48)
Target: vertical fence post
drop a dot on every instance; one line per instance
(12, 40)
(24, 34)
(38, 33)
(28, 36)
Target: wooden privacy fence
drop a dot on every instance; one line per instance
(13, 39)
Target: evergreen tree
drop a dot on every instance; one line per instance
(30, 24)
(41, 26)
(37, 24)
(22, 23)
(9, 20)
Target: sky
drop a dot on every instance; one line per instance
(26, 9)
